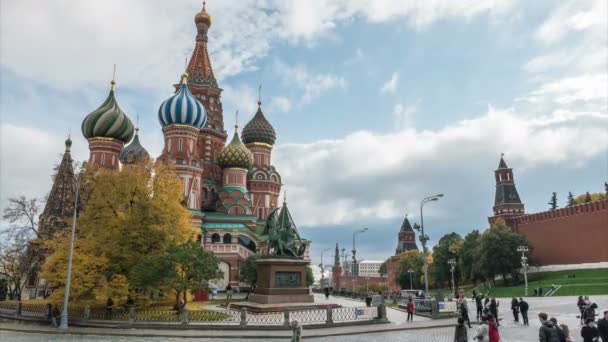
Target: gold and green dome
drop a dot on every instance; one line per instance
(108, 121)
(235, 154)
(258, 129)
(203, 17)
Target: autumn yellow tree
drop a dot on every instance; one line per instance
(125, 216)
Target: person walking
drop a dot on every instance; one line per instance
(566, 331)
(515, 309)
(547, 331)
(109, 304)
(589, 331)
(326, 290)
(493, 329)
(523, 308)
(602, 327)
(410, 310)
(460, 333)
(479, 304)
(483, 333)
(228, 292)
(580, 303)
(494, 309)
(464, 309)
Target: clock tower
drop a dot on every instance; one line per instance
(506, 202)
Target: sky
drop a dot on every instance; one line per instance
(376, 104)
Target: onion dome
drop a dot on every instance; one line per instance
(203, 17)
(235, 154)
(68, 143)
(108, 121)
(258, 129)
(134, 151)
(182, 108)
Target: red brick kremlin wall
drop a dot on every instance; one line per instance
(572, 235)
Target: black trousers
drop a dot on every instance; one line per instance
(524, 316)
(410, 316)
(465, 316)
(479, 313)
(516, 315)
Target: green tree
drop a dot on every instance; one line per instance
(497, 253)
(186, 267)
(553, 201)
(571, 200)
(588, 197)
(382, 270)
(467, 262)
(447, 248)
(410, 260)
(248, 272)
(310, 277)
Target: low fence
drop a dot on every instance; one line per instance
(146, 317)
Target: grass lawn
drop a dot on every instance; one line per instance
(574, 283)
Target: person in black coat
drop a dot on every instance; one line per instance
(523, 308)
(589, 331)
(515, 309)
(602, 327)
(494, 310)
(479, 304)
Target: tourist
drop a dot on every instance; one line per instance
(566, 331)
(589, 312)
(589, 331)
(515, 309)
(460, 334)
(296, 331)
(493, 329)
(228, 292)
(523, 308)
(368, 299)
(464, 309)
(487, 300)
(109, 304)
(494, 309)
(483, 334)
(410, 310)
(602, 327)
(580, 303)
(326, 290)
(560, 332)
(478, 302)
(547, 331)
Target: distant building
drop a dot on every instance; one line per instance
(583, 227)
(369, 268)
(407, 242)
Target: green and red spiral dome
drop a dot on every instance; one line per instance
(108, 121)
(258, 129)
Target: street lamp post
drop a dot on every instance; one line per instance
(424, 239)
(524, 264)
(66, 296)
(410, 271)
(355, 273)
(452, 263)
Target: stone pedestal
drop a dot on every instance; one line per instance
(281, 281)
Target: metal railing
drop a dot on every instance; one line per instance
(134, 316)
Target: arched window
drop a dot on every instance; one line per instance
(215, 238)
(205, 194)
(227, 238)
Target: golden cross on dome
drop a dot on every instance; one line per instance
(260, 95)
(285, 196)
(137, 124)
(113, 77)
(236, 120)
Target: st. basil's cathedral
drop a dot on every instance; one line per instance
(230, 189)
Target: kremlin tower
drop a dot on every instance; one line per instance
(507, 204)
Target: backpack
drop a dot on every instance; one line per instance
(552, 335)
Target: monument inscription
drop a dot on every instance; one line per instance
(288, 279)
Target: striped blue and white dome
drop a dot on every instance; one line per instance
(182, 108)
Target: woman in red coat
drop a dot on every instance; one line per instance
(493, 329)
(410, 310)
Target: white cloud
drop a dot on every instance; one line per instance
(365, 174)
(280, 104)
(357, 57)
(391, 85)
(566, 91)
(572, 16)
(311, 85)
(404, 116)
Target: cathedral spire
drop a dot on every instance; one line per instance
(337, 256)
(199, 68)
